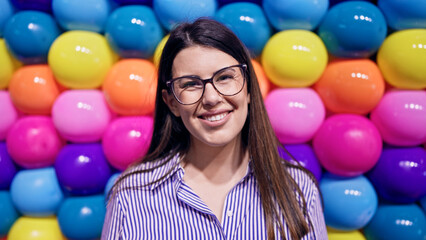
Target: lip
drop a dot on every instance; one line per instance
(213, 113)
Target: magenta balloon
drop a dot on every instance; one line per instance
(126, 140)
(400, 117)
(33, 142)
(8, 114)
(347, 144)
(295, 114)
(82, 168)
(400, 174)
(81, 116)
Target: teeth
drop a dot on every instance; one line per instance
(216, 117)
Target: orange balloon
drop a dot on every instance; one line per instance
(264, 83)
(130, 87)
(351, 86)
(33, 89)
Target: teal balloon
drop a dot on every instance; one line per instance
(248, 22)
(6, 11)
(349, 203)
(110, 183)
(82, 217)
(423, 203)
(404, 14)
(396, 222)
(8, 213)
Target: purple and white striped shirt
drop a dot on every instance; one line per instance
(169, 209)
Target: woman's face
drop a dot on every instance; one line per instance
(215, 120)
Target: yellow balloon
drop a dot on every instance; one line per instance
(80, 59)
(8, 65)
(294, 58)
(159, 50)
(342, 235)
(402, 59)
(31, 228)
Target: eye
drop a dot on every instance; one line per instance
(187, 83)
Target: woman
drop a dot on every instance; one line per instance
(213, 170)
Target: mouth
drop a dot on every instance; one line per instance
(214, 118)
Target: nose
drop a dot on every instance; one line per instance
(211, 96)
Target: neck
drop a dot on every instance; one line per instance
(216, 164)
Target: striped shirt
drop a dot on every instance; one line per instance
(170, 209)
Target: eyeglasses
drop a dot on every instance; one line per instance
(228, 81)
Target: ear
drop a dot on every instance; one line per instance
(171, 102)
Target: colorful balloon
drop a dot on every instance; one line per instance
(33, 89)
(8, 64)
(8, 213)
(6, 11)
(248, 22)
(401, 59)
(353, 29)
(400, 117)
(134, 2)
(81, 115)
(423, 203)
(36, 192)
(400, 174)
(403, 14)
(126, 140)
(30, 228)
(133, 31)
(349, 203)
(344, 235)
(40, 5)
(82, 217)
(29, 35)
(347, 144)
(295, 114)
(224, 2)
(288, 54)
(80, 59)
(33, 142)
(130, 87)
(264, 83)
(394, 222)
(351, 86)
(7, 168)
(88, 15)
(295, 14)
(172, 12)
(110, 184)
(158, 50)
(82, 168)
(8, 113)
(305, 155)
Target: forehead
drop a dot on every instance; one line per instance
(201, 61)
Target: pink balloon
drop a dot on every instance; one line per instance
(347, 144)
(33, 142)
(81, 116)
(295, 113)
(126, 140)
(8, 114)
(400, 117)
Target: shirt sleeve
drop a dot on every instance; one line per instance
(113, 223)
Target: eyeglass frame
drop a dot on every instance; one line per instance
(208, 80)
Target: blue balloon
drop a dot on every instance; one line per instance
(295, 14)
(6, 11)
(39, 5)
(423, 203)
(88, 15)
(7, 167)
(349, 203)
(133, 31)
(29, 34)
(224, 2)
(36, 192)
(82, 168)
(404, 14)
(334, 2)
(248, 22)
(8, 213)
(110, 183)
(353, 29)
(305, 155)
(395, 222)
(172, 12)
(134, 2)
(82, 217)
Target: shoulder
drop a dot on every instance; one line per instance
(306, 183)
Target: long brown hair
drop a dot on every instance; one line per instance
(278, 190)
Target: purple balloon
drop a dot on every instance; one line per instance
(305, 155)
(7, 168)
(400, 174)
(41, 5)
(82, 169)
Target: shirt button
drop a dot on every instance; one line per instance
(229, 213)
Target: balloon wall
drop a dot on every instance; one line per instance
(343, 82)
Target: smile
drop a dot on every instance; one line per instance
(214, 118)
